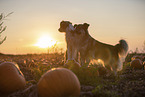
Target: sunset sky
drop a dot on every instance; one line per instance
(110, 21)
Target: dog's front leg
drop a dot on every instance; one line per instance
(82, 58)
(75, 54)
(69, 53)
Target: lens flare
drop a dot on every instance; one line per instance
(45, 42)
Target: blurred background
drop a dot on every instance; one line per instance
(33, 25)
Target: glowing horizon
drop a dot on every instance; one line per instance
(109, 22)
(45, 41)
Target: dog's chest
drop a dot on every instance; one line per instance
(69, 37)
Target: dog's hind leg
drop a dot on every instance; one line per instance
(82, 59)
(77, 57)
(114, 70)
(114, 66)
(87, 61)
(119, 65)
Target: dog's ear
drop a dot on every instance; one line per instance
(86, 25)
(62, 21)
(75, 25)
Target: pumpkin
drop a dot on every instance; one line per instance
(11, 78)
(136, 57)
(72, 64)
(136, 64)
(59, 82)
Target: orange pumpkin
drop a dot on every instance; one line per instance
(136, 57)
(59, 82)
(136, 64)
(11, 78)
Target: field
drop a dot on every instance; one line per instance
(128, 82)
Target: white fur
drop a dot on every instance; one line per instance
(70, 39)
(71, 27)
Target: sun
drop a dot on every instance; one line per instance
(45, 41)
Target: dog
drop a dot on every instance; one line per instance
(112, 55)
(71, 39)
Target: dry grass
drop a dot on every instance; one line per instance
(128, 82)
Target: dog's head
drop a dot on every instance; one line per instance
(65, 26)
(81, 28)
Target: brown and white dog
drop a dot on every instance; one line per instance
(71, 39)
(93, 49)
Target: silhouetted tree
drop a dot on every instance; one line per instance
(3, 28)
(144, 46)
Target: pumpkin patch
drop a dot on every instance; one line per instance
(94, 80)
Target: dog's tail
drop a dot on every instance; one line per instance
(122, 48)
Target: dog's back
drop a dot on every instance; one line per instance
(93, 49)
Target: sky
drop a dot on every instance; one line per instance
(110, 21)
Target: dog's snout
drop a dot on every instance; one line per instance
(61, 30)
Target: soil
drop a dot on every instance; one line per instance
(128, 83)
